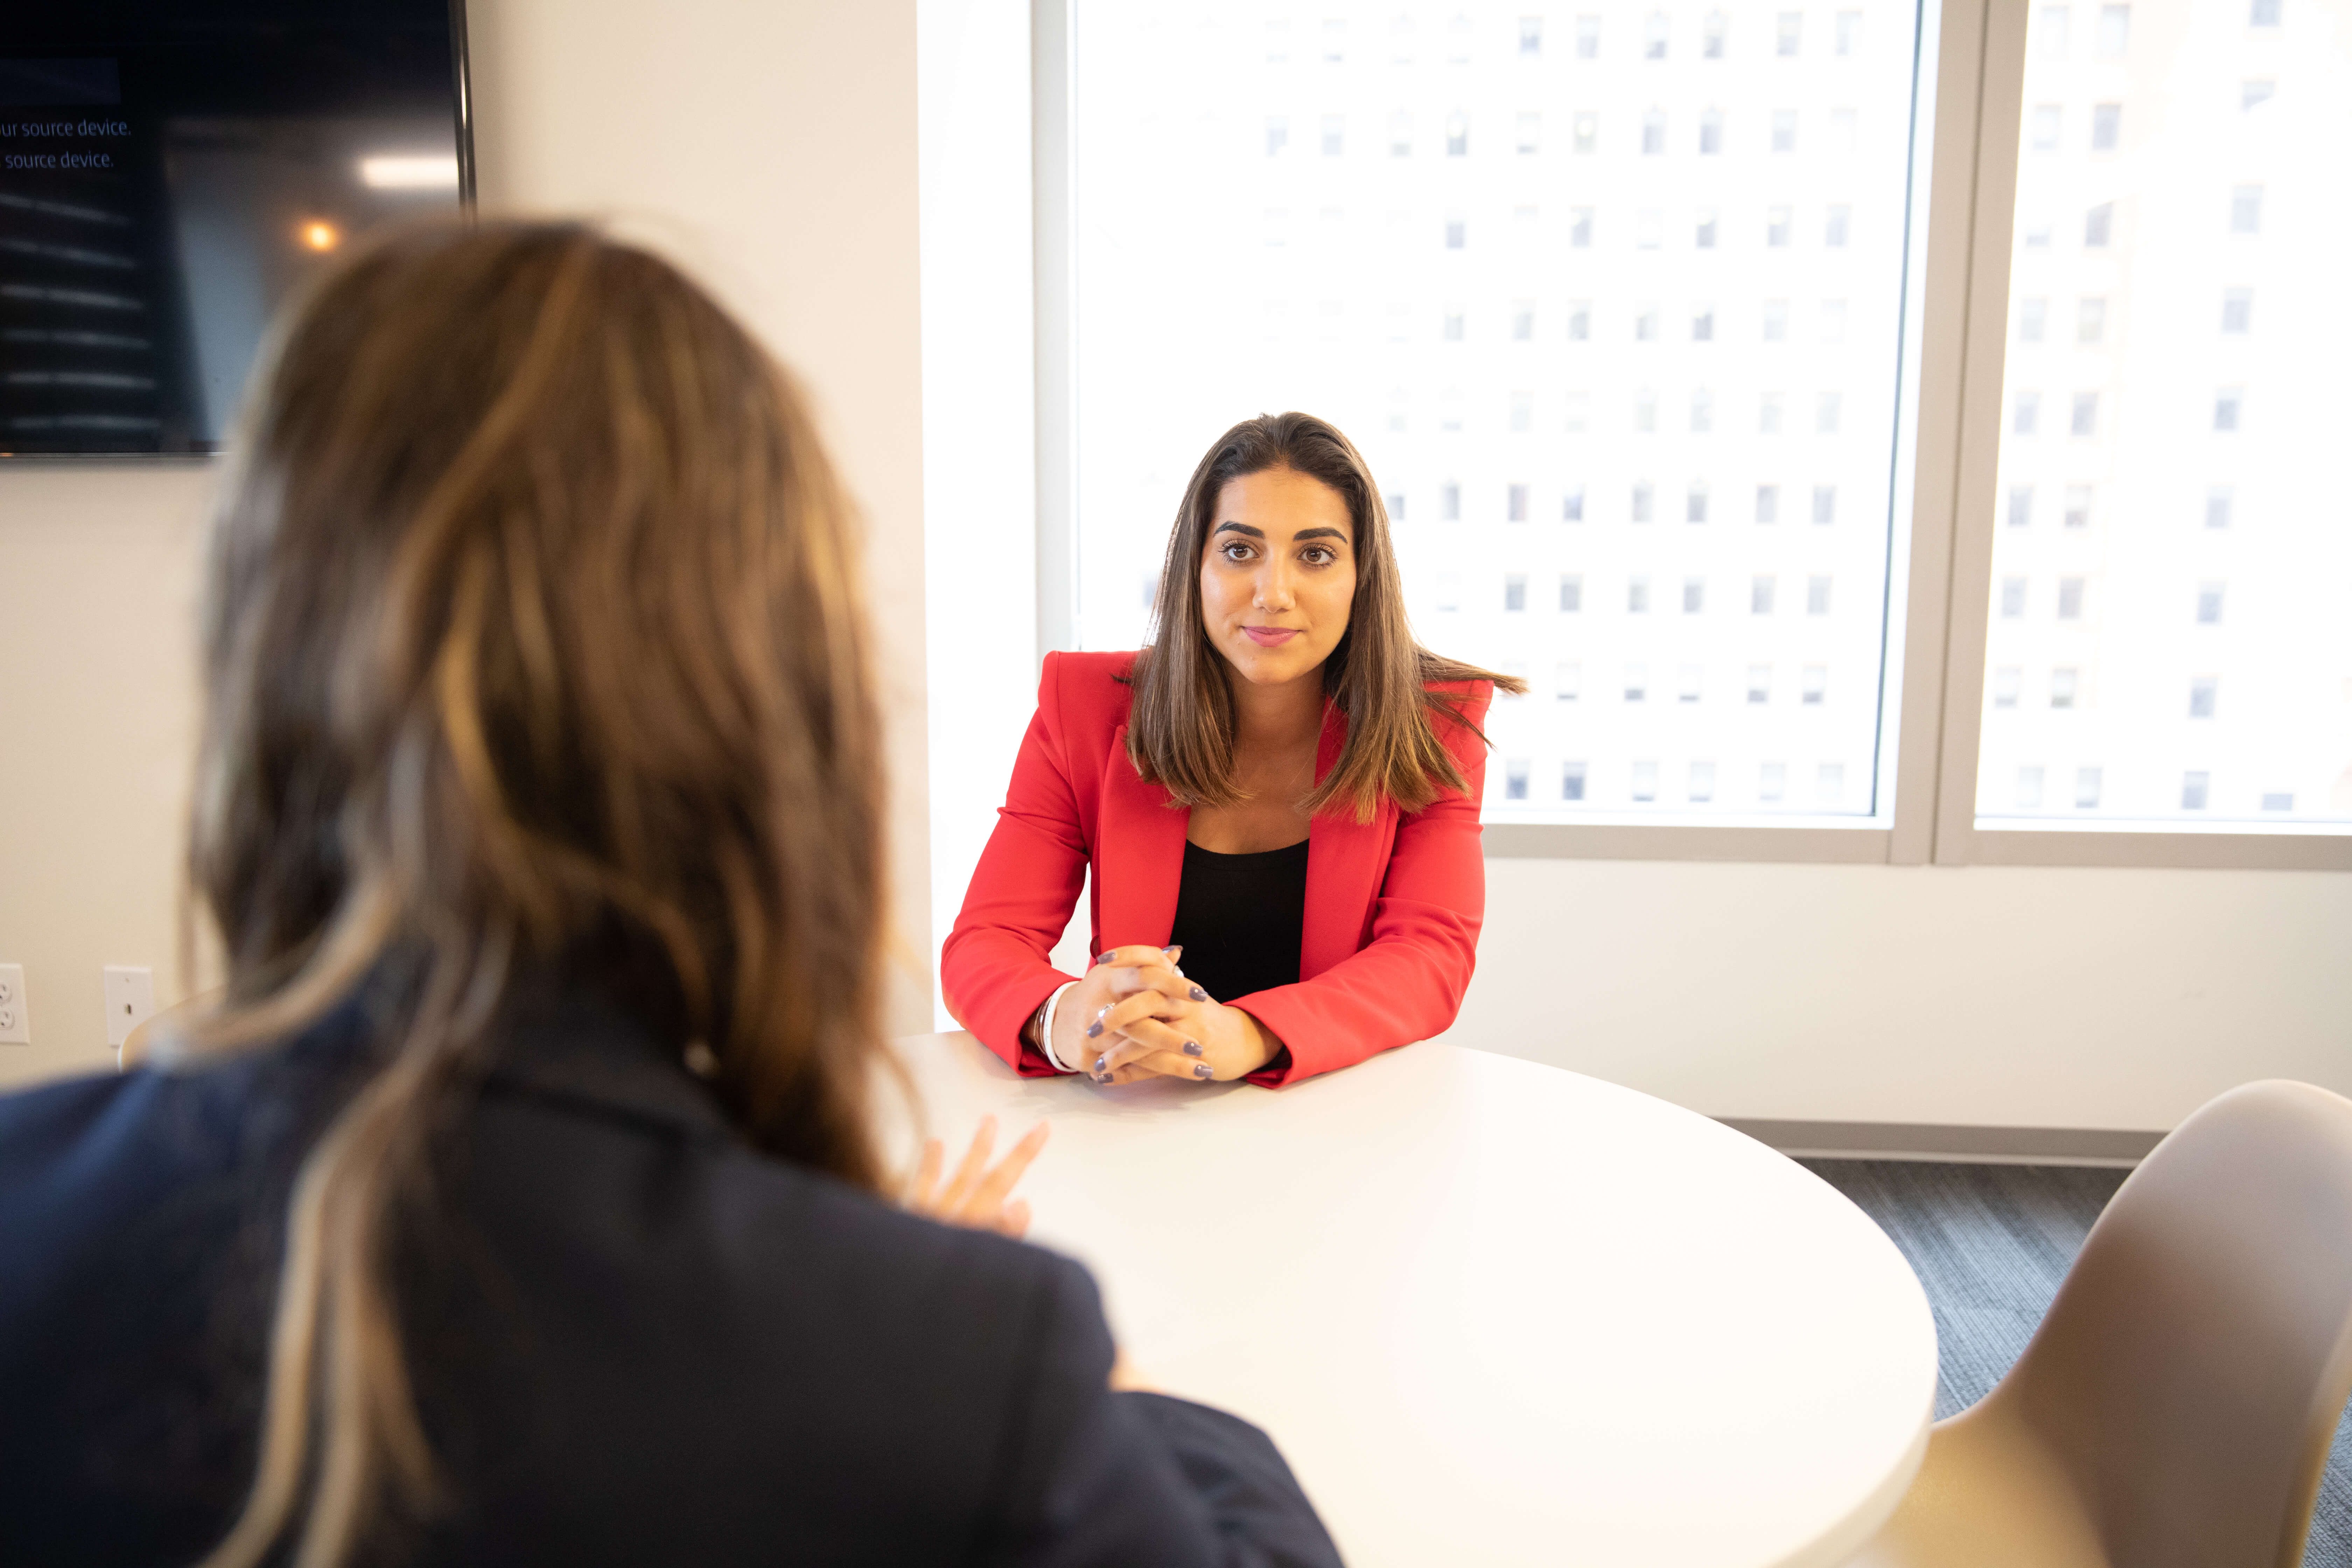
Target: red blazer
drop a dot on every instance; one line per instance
(1394, 905)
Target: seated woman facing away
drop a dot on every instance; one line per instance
(519, 1204)
(1278, 800)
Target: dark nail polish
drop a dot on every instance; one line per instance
(1099, 1068)
(1192, 1047)
(1169, 950)
(1199, 994)
(1092, 1029)
(1201, 1069)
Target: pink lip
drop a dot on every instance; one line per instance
(1270, 636)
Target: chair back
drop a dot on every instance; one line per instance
(2195, 1361)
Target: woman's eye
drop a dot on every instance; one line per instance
(1320, 555)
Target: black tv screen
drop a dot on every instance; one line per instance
(169, 170)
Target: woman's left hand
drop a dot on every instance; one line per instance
(1169, 1028)
(977, 1196)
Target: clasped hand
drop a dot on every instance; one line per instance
(1135, 1016)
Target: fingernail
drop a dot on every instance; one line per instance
(1092, 1029)
(1201, 1069)
(1199, 994)
(1171, 952)
(1099, 1068)
(1192, 1047)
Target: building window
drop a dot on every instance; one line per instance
(1277, 134)
(2209, 604)
(2115, 32)
(1759, 596)
(1587, 37)
(1654, 29)
(1645, 497)
(2029, 787)
(1824, 505)
(1567, 681)
(1579, 320)
(2012, 598)
(2255, 91)
(1702, 782)
(1579, 229)
(2237, 312)
(2020, 506)
(1827, 408)
(1585, 133)
(1572, 594)
(1637, 596)
(2043, 133)
(1712, 40)
(1787, 28)
(1817, 596)
(2099, 226)
(1784, 130)
(1523, 419)
(2025, 414)
(1457, 233)
(2091, 319)
(2245, 210)
(2062, 687)
(2106, 127)
(1654, 133)
(1515, 778)
(1776, 224)
(2193, 788)
(2086, 788)
(1334, 135)
(2078, 506)
(1401, 135)
(1694, 595)
(1449, 502)
(1695, 502)
(2085, 420)
(1572, 505)
(1528, 134)
(1829, 783)
(1817, 685)
(1457, 136)
(2229, 403)
(1776, 321)
(2070, 598)
(2005, 682)
(1771, 781)
(1835, 226)
(2031, 317)
(1645, 781)
(1702, 231)
(2204, 695)
(1637, 682)
(1768, 505)
(1703, 324)
(1849, 34)
(1571, 780)
(1515, 503)
(1530, 36)
(1760, 683)
(2264, 13)
(2217, 507)
(1710, 134)
(1515, 592)
(1687, 688)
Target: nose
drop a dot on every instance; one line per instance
(1273, 590)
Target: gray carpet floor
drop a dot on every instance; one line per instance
(1990, 1243)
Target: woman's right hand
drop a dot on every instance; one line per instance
(1115, 976)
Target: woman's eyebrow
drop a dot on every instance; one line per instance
(1240, 527)
(1339, 533)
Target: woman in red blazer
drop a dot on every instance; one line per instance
(1278, 800)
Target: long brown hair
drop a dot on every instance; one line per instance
(1181, 727)
(531, 617)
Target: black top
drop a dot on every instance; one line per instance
(640, 1340)
(1239, 919)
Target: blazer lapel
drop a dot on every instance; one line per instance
(1139, 856)
(1346, 861)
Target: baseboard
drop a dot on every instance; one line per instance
(1956, 1145)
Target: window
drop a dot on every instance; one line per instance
(1567, 681)
(2264, 13)
(2086, 788)
(2255, 91)
(1698, 326)
(2004, 685)
(2193, 786)
(2029, 787)
(1771, 781)
(2204, 695)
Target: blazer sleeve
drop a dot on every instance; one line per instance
(1405, 984)
(996, 967)
(1095, 1478)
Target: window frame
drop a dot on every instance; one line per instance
(1932, 707)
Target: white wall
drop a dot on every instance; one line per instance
(769, 145)
(1987, 996)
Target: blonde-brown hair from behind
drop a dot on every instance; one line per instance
(1181, 726)
(531, 619)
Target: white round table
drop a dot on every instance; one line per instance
(1493, 1312)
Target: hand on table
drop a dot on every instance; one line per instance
(1154, 1023)
(976, 1196)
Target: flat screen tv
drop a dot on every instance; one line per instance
(169, 169)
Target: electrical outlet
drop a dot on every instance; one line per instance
(130, 1001)
(15, 1021)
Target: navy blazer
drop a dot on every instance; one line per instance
(635, 1338)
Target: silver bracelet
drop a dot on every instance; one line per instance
(1045, 1028)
